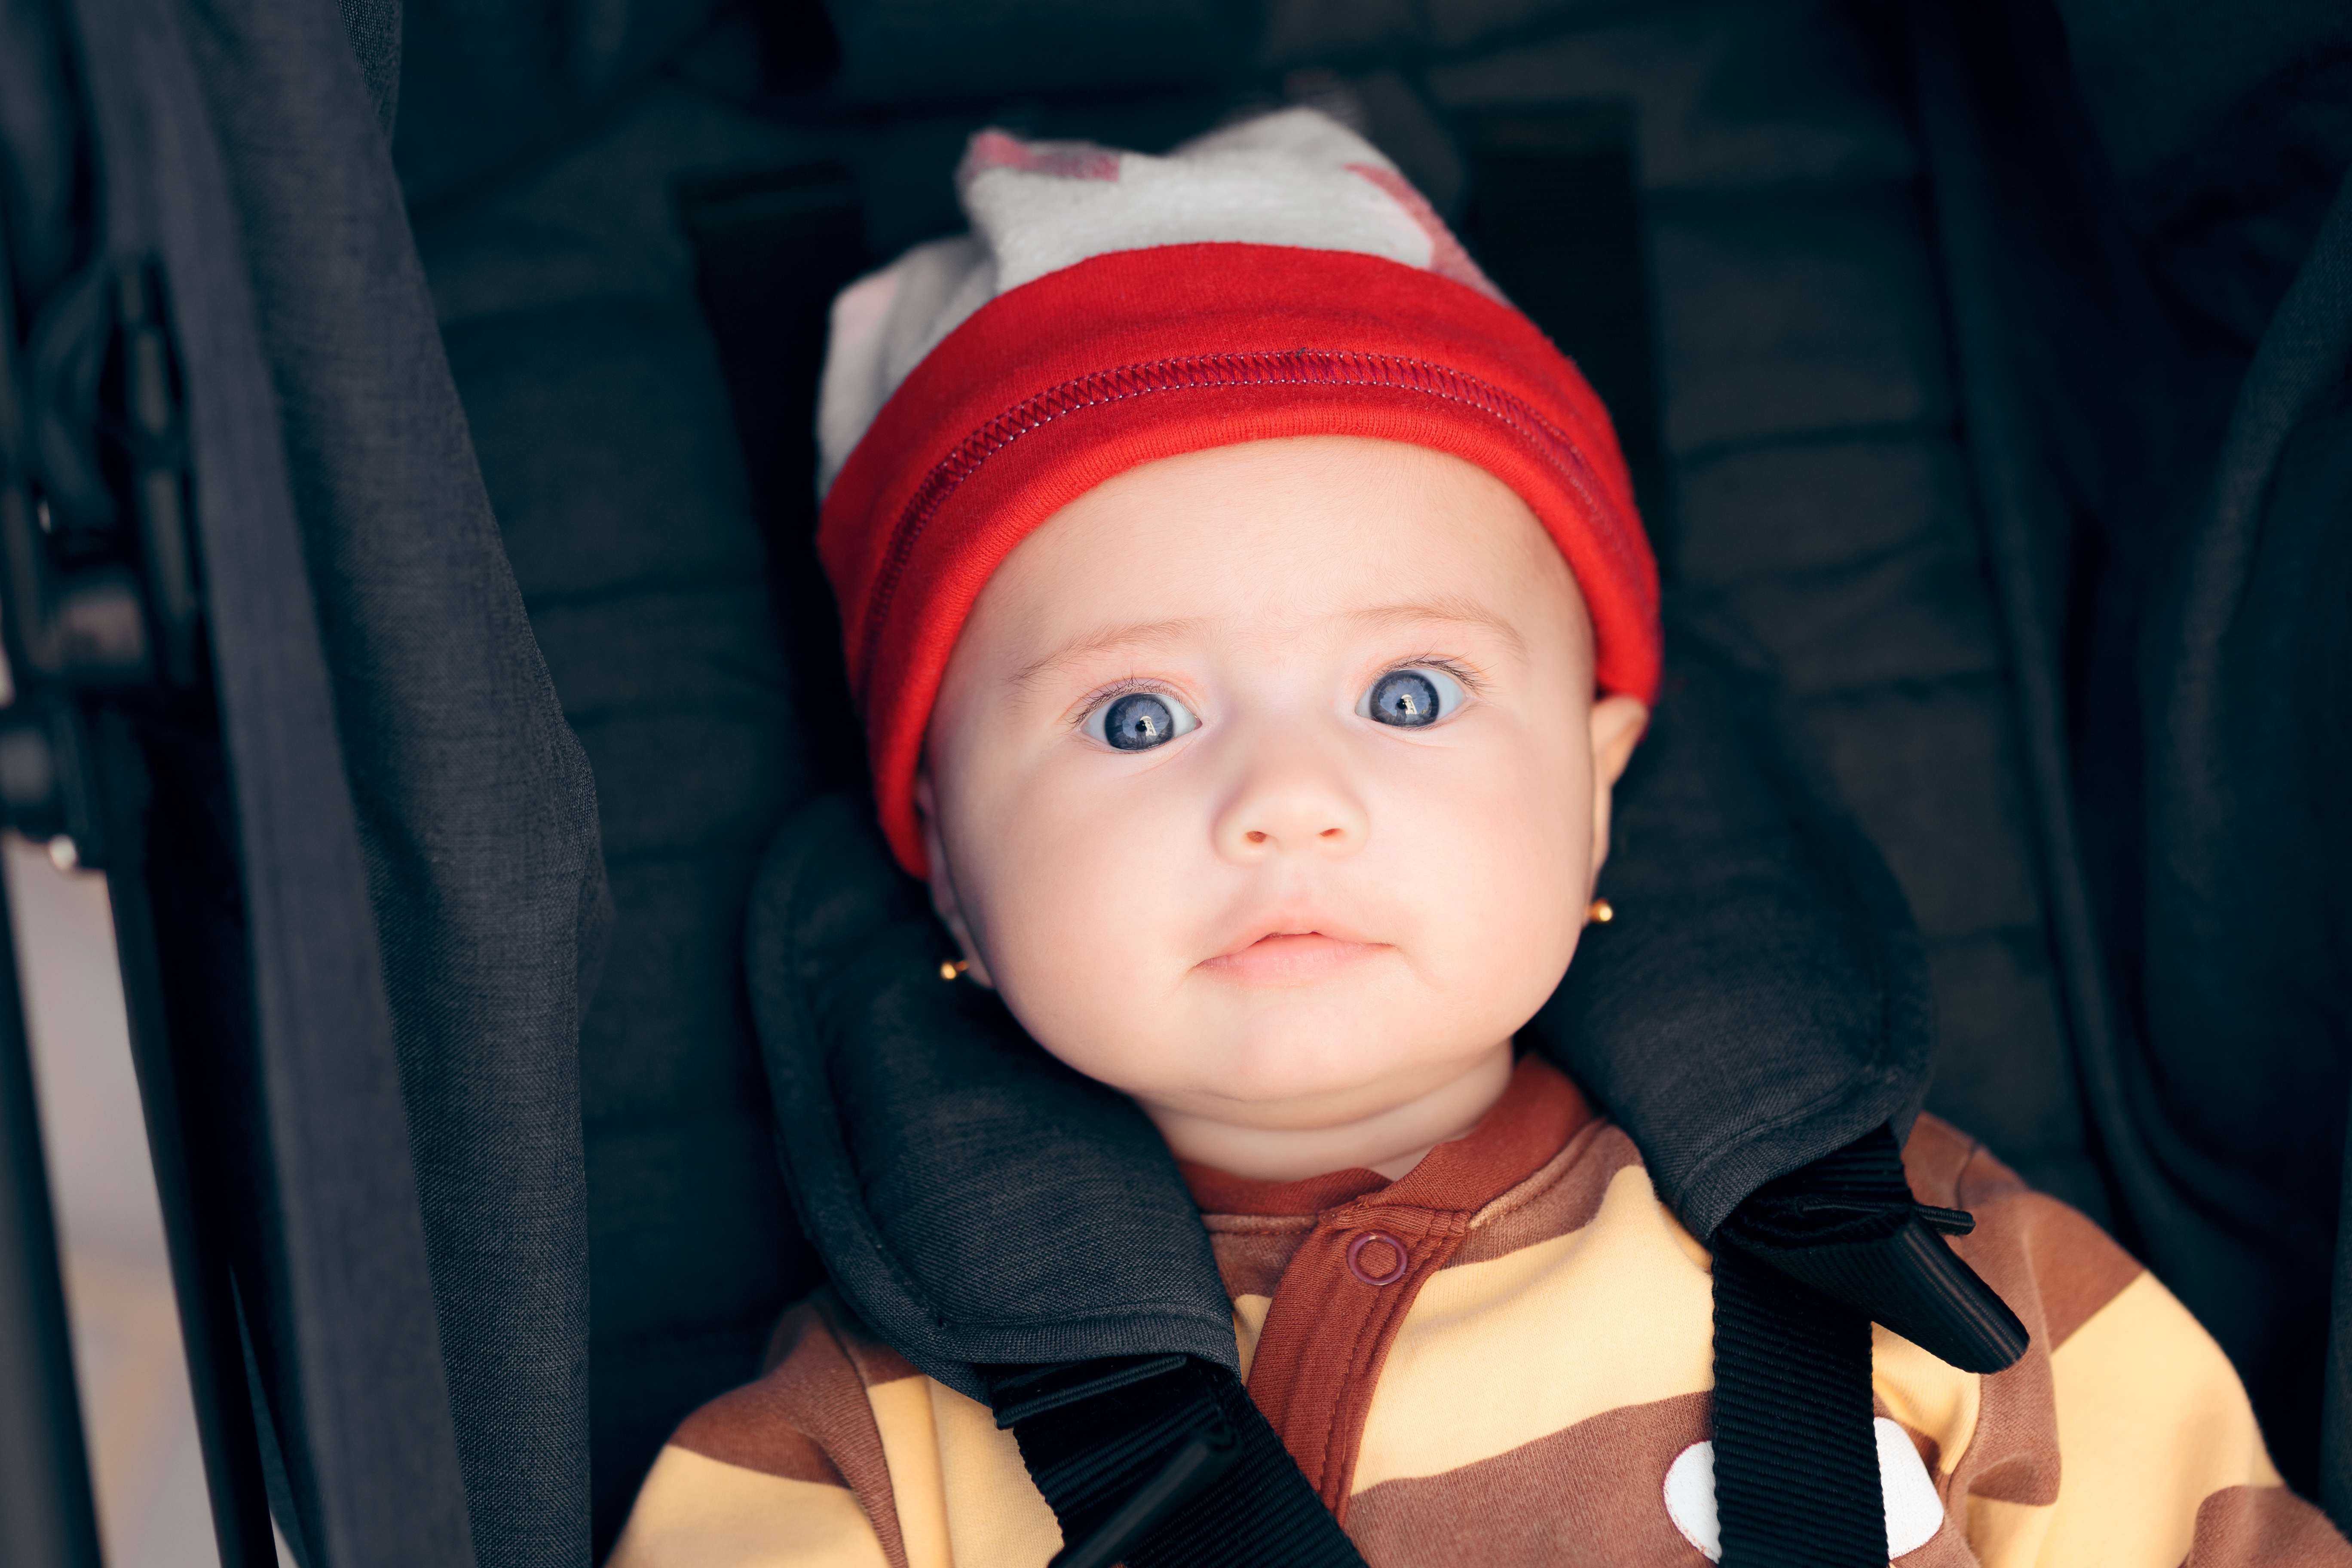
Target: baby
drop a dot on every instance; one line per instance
(1251, 621)
(1267, 784)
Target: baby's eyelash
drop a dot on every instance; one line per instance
(1469, 677)
(1078, 715)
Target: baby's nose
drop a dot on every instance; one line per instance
(1294, 811)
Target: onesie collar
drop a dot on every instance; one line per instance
(1540, 1110)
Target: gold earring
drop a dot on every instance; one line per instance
(953, 968)
(1600, 912)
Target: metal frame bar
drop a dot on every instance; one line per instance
(48, 1518)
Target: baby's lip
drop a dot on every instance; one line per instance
(1289, 958)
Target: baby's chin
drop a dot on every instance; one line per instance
(1286, 1066)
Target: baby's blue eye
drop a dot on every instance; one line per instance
(1410, 698)
(1138, 721)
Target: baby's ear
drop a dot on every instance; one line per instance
(943, 893)
(1617, 724)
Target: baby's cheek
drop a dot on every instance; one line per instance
(1079, 925)
(1502, 877)
(1513, 932)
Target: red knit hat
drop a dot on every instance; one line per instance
(1275, 279)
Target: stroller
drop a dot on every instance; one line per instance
(409, 600)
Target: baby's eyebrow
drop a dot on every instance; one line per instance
(1151, 634)
(1460, 612)
(1109, 640)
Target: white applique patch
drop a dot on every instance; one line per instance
(1914, 1512)
(1690, 1498)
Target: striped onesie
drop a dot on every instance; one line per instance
(1504, 1359)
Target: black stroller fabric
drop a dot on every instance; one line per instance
(1762, 999)
(1847, 325)
(2002, 404)
(947, 1168)
(2155, 407)
(378, 916)
(471, 811)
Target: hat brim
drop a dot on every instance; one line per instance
(1130, 357)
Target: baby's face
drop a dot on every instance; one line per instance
(1267, 784)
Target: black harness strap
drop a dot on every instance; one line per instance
(1796, 1461)
(1556, 219)
(1801, 1270)
(772, 249)
(1163, 1462)
(1807, 1263)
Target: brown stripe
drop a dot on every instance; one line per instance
(2057, 1259)
(876, 1362)
(2012, 1454)
(1592, 1494)
(812, 1391)
(2080, 1270)
(2012, 1457)
(2267, 1525)
(829, 1388)
(1223, 1193)
(784, 1339)
(1934, 1157)
(1561, 1197)
(2055, 1270)
(750, 1427)
(1251, 1253)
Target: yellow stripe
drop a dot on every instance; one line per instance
(1249, 1327)
(996, 1517)
(696, 1512)
(1619, 1312)
(1926, 1393)
(2010, 1534)
(910, 1448)
(2151, 1421)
